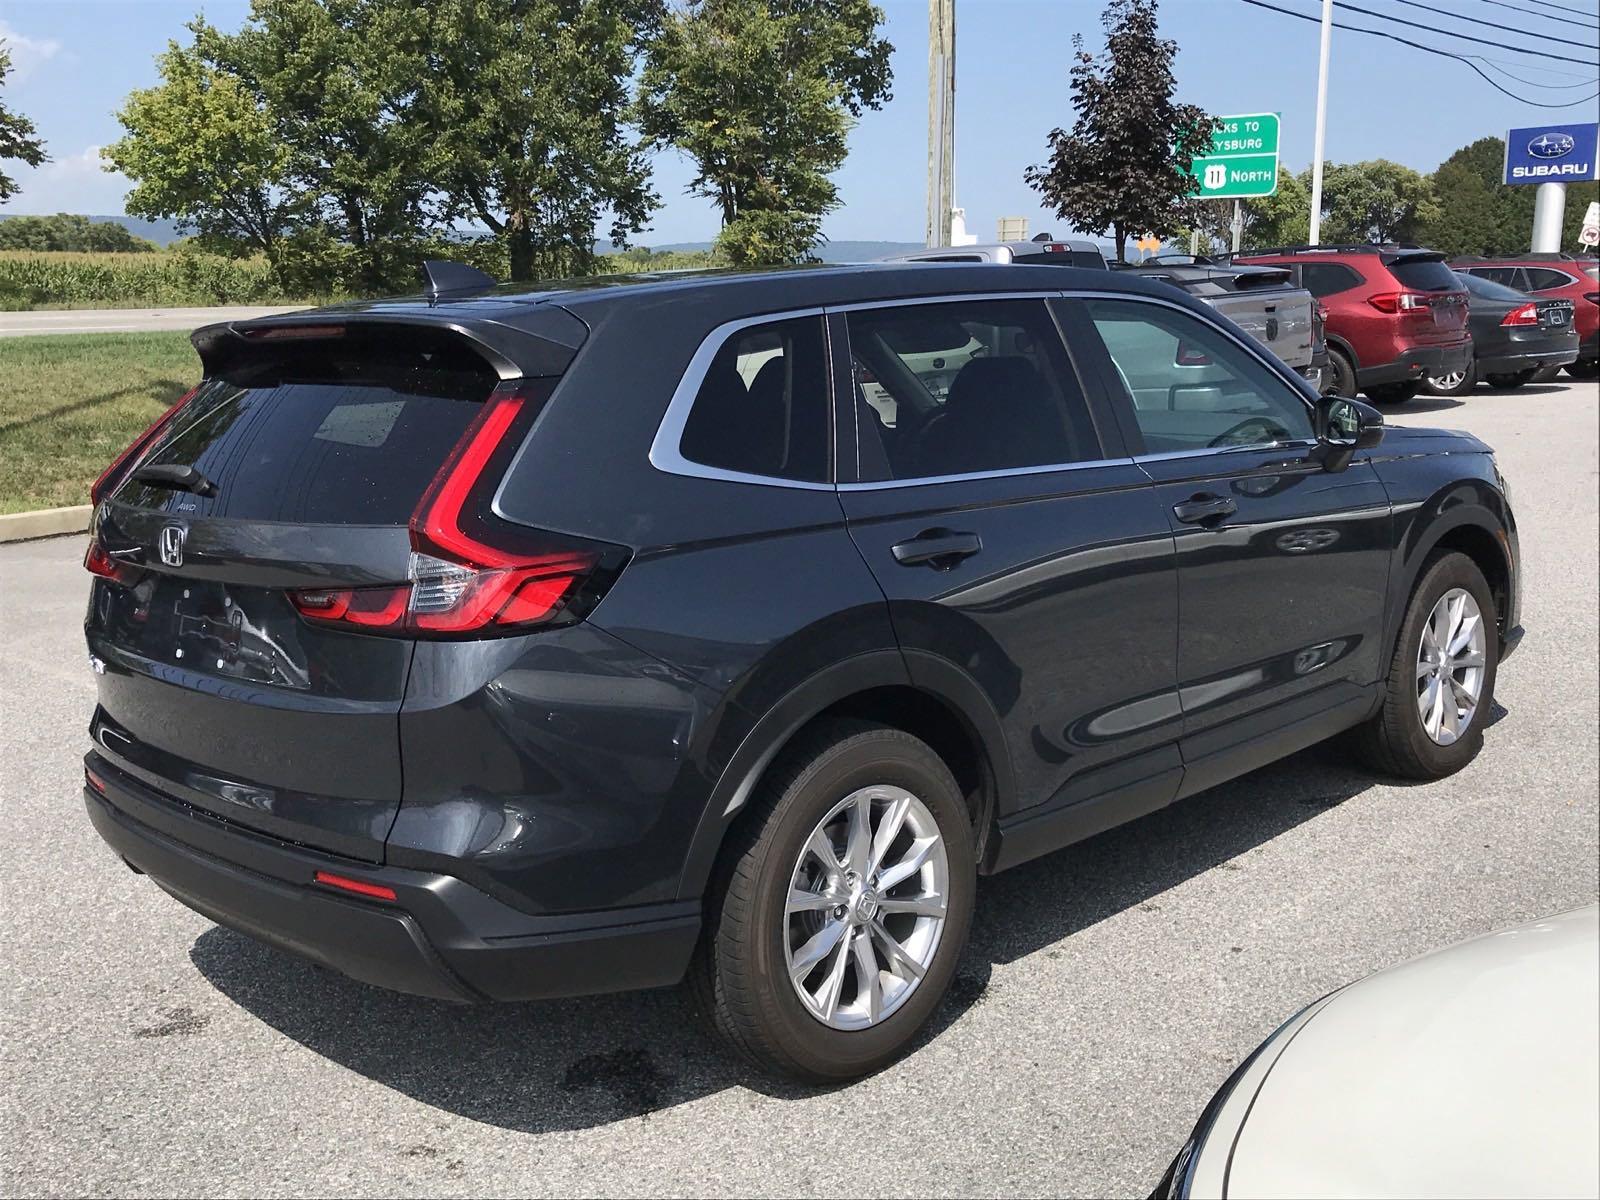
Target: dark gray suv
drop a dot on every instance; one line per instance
(503, 644)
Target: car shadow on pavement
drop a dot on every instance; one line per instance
(575, 1064)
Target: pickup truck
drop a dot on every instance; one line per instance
(1263, 301)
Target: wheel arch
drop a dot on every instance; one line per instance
(934, 701)
(1474, 526)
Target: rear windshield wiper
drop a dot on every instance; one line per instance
(180, 478)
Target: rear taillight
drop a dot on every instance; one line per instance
(470, 572)
(129, 458)
(359, 887)
(1592, 297)
(1528, 314)
(97, 562)
(1400, 302)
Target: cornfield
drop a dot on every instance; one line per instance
(68, 279)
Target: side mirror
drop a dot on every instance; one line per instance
(1344, 426)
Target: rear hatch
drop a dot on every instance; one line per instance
(249, 621)
(1432, 304)
(1556, 316)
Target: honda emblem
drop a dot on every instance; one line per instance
(172, 545)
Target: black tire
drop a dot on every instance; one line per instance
(1394, 741)
(1469, 380)
(1393, 393)
(1587, 369)
(740, 974)
(1343, 372)
(1512, 381)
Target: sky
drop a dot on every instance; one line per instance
(75, 60)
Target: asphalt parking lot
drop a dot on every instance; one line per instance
(1106, 992)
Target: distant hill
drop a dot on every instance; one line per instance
(162, 233)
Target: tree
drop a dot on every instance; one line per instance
(17, 140)
(1479, 214)
(526, 104)
(202, 150)
(1124, 168)
(69, 231)
(1377, 201)
(761, 94)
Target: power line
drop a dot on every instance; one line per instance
(1534, 12)
(1479, 21)
(1394, 37)
(1465, 37)
(1500, 67)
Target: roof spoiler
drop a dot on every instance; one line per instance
(444, 277)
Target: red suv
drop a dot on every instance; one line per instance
(1555, 277)
(1395, 314)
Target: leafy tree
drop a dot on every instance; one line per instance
(1124, 168)
(69, 231)
(1479, 214)
(526, 105)
(203, 150)
(762, 94)
(17, 140)
(1377, 201)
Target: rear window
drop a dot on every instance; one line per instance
(1488, 289)
(324, 432)
(1545, 279)
(1425, 274)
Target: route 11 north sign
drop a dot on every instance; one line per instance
(1243, 160)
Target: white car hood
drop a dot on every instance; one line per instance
(1474, 1071)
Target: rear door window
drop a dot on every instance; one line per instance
(966, 387)
(1424, 274)
(330, 432)
(1327, 279)
(1191, 386)
(762, 408)
(1544, 279)
(1511, 277)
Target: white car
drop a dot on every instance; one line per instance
(1473, 1071)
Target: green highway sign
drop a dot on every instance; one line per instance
(1243, 159)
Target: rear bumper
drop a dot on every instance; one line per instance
(1527, 360)
(1415, 363)
(440, 937)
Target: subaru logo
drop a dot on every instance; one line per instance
(1551, 145)
(171, 545)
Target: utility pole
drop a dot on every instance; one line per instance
(1322, 123)
(941, 119)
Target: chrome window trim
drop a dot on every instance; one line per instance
(971, 476)
(1273, 364)
(665, 452)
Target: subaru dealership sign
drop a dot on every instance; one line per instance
(1553, 154)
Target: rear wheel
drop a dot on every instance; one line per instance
(1343, 372)
(1453, 383)
(1588, 369)
(1393, 393)
(1441, 680)
(1511, 381)
(839, 921)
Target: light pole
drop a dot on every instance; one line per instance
(1322, 123)
(941, 119)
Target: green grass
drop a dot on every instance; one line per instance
(70, 403)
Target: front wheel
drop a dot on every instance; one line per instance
(1453, 383)
(1440, 686)
(1343, 373)
(1514, 380)
(1393, 393)
(843, 907)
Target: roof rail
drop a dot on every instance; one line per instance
(1529, 256)
(1329, 248)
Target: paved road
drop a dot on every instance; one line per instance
(127, 320)
(1107, 991)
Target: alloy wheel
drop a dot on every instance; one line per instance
(866, 907)
(1448, 382)
(1450, 666)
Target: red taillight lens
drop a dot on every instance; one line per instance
(94, 781)
(1592, 297)
(360, 887)
(97, 562)
(129, 458)
(1528, 314)
(1400, 302)
(1190, 355)
(471, 572)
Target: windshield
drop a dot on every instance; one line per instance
(1488, 289)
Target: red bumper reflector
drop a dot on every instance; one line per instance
(94, 781)
(376, 890)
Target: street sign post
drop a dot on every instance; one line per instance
(1243, 161)
(1589, 235)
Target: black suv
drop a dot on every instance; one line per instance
(511, 644)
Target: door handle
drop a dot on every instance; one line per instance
(937, 548)
(1197, 510)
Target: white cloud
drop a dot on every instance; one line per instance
(26, 53)
(69, 183)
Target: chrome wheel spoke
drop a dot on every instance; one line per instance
(869, 975)
(1472, 658)
(888, 829)
(1464, 633)
(916, 856)
(901, 963)
(858, 847)
(922, 906)
(820, 847)
(801, 900)
(833, 985)
(1463, 695)
(805, 959)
